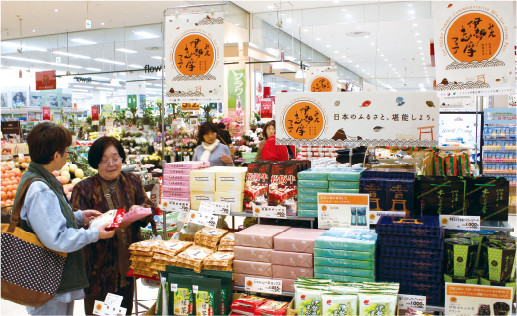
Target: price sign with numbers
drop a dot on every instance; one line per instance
(460, 222)
(175, 206)
(376, 215)
(206, 207)
(269, 211)
(204, 219)
(411, 301)
(343, 210)
(260, 285)
(216, 208)
(473, 299)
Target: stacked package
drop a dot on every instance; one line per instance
(284, 183)
(176, 179)
(324, 297)
(499, 262)
(151, 256)
(415, 246)
(345, 255)
(254, 305)
(389, 189)
(292, 255)
(253, 250)
(257, 184)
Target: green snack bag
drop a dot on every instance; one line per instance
(460, 256)
(338, 304)
(207, 295)
(476, 237)
(308, 301)
(499, 258)
(181, 301)
(377, 304)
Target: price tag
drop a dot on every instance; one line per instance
(269, 211)
(347, 210)
(376, 215)
(204, 219)
(221, 208)
(174, 287)
(460, 222)
(260, 285)
(411, 301)
(206, 207)
(194, 289)
(175, 206)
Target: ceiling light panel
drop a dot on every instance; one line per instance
(102, 60)
(83, 41)
(71, 55)
(125, 50)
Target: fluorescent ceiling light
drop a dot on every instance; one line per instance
(125, 50)
(102, 88)
(146, 34)
(71, 55)
(24, 47)
(157, 57)
(83, 41)
(102, 60)
(93, 69)
(135, 66)
(80, 86)
(299, 74)
(40, 62)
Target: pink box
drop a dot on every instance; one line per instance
(176, 183)
(260, 236)
(252, 254)
(287, 272)
(175, 177)
(176, 195)
(287, 285)
(250, 267)
(175, 189)
(136, 214)
(171, 170)
(297, 240)
(185, 165)
(294, 259)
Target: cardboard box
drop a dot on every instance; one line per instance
(236, 200)
(289, 272)
(202, 180)
(252, 254)
(260, 236)
(250, 267)
(293, 259)
(197, 197)
(178, 196)
(297, 240)
(231, 179)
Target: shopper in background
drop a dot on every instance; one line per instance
(225, 137)
(267, 130)
(107, 262)
(273, 152)
(47, 213)
(211, 150)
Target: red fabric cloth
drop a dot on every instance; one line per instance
(273, 152)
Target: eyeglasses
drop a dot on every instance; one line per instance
(113, 161)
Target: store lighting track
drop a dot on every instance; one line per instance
(102, 60)
(71, 55)
(125, 50)
(83, 41)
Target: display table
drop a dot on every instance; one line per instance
(135, 277)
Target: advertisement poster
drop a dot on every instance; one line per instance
(5, 100)
(321, 79)
(52, 98)
(107, 110)
(95, 112)
(237, 89)
(190, 106)
(343, 210)
(35, 98)
(194, 48)
(45, 113)
(142, 100)
(19, 99)
(66, 100)
(46, 80)
(402, 119)
(266, 108)
(500, 115)
(473, 299)
(461, 128)
(474, 45)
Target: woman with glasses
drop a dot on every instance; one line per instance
(107, 262)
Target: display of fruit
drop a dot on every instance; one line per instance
(10, 180)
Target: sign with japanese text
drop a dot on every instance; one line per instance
(343, 210)
(215, 208)
(269, 211)
(237, 89)
(460, 222)
(194, 57)
(190, 106)
(174, 206)
(46, 80)
(203, 219)
(11, 128)
(358, 119)
(500, 115)
(474, 48)
(473, 299)
(45, 113)
(95, 112)
(260, 285)
(321, 79)
(266, 108)
(416, 302)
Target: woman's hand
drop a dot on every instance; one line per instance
(88, 215)
(134, 207)
(226, 159)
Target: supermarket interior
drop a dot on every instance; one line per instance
(258, 157)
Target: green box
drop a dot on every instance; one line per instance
(308, 206)
(344, 254)
(343, 190)
(342, 278)
(323, 184)
(364, 273)
(460, 256)
(307, 213)
(314, 191)
(344, 185)
(346, 263)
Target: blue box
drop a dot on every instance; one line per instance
(364, 273)
(343, 190)
(400, 195)
(323, 184)
(411, 263)
(409, 275)
(388, 173)
(347, 263)
(308, 206)
(312, 198)
(343, 185)
(414, 287)
(344, 176)
(342, 278)
(409, 241)
(423, 226)
(315, 191)
(376, 188)
(307, 213)
(311, 174)
(417, 253)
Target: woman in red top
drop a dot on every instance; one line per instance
(273, 152)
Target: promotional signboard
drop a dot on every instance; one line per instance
(321, 79)
(237, 89)
(46, 80)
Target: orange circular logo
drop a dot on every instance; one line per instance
(321, 84)
(194, 55)
(372, 216)
(324, 208)
(249, 283)
(304, 120)
(473, 36)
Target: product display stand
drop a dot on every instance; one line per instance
(296, 218)
(135, 278)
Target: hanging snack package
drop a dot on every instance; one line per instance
(272, 308)
(192, 258)
(247, 305)
(209, 237)
(339, 304)
(221, 260)
(460, 256)
(111, 217)
(227, 242)
(377, 304)
(207, 296)
(181, 300)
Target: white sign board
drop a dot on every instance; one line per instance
(343, 210)
(260, 285)
(321, 79)
(460, 222)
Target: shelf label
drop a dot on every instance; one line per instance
(269, 211)
(343, 210)
(376, 215)
(260, 285)
(473, 299)
(416, 302)
(460, 222)
(175, 206)
(203, 219)
(216, 208)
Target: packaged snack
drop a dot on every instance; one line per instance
(144, 246)
(460, 256)
(247, 304)
(207, 293)
(171, 247)
(227, 242)
(181, 300)
(142, 253)
(219, 259)
(257, 182)
(339, 304)
(209, 237)
(499, 259)
(451, 164)
(136, 214)
(439, 164)
(308, 301)
(113, 217)
(272, 308)
(377, 304)
(464, 165)
(193, 257)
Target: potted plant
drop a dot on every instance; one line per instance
(71, 127)
(147, 119)
(134, 118)
(206, 112)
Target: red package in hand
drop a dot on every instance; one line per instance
(113, 217)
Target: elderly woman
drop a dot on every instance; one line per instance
(107, 262)
(47, 213)
(211, 150)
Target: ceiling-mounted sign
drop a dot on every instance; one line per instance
(194, 57)
(95, 112)
(321, 79)
(237, 89)
(266, 108)
(131, 101)
(358, 119)
(46, 80)
(474, 47)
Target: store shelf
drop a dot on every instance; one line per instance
(39, 110)
(454, 148)
(496, 150)
(496, 226)
(296, 218)
(243, 289)
(431, 308)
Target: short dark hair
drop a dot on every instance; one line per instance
(45, 140)
(204, 128)
(99, 147)
(264, 129)
(221, 125)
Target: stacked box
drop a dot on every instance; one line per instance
(414, 245)
(345, 255)
(176, 179)
(257, 183)
(284, 183)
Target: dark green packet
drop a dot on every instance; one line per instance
(207, 295)
(181, 298)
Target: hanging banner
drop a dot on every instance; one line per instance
(194, 46)
(500, 115)
(474, 48)
(266, 108)
(321, 79)
(236, 89)
(45, 113)
(131, 101)
(401, 119)
(46, 80)
(95, 113)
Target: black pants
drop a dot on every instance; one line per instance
(126, 292)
